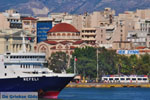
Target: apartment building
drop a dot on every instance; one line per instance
(102, 18)
(89, 35)
(10, 19)
(143, 13)
(140, 36)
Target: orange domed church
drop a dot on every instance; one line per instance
(62, 37)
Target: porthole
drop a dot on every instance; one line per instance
(5, 67)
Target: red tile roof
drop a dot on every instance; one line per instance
(53, 47)
(72, 47)
(78, 42)
(144, 51)
(29, 18)
(65, 42)
(51, 42)
(63, 27)
(141, 47)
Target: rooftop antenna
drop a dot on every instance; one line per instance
(23, 43)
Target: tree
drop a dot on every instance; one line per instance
(107, 61)
(125, 65)
(58, 62)
(133, 63)
(86, 61)
(86, 67)
(143, 65)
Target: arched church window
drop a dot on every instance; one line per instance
(63, 34)
(60, 47)
(58, 34)
(43, 49)
(68, 34)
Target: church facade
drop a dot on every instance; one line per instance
(62, 37)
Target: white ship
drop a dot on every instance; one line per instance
(25, 72)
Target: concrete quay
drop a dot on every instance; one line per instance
(105, 85)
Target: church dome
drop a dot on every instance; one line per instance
(63, 27)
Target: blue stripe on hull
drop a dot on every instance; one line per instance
(44, 83)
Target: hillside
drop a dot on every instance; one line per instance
(42, 7)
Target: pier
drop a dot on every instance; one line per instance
(104, 85)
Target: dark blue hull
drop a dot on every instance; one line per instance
(34, 84)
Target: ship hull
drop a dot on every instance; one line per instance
(48, 87)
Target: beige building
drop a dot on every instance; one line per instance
(4, 24)
(11, 41)
(29, 24)
(143, 13)
(89, 35)
(104, 36)
(122, 45)
(86, 20)
(10, 19)
(61, 18)
(81, 21)
(102, 18)
(109, 29)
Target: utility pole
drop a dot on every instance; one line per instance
(97, 76)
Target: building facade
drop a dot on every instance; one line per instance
(43, 26)
(89, 35)
(62, 37)
(10, 19)
(29, 24)
(11, 41)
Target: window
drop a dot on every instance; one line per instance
(144, 79)
(127, 78)
(105, 78)
(116, 78)
(26, 23)
(5, 66)
(122, 79)
(7, 47)
(5, 74)
(23, 66)
(43, 72)
(139, 78)
(133, 79)
(111, 79)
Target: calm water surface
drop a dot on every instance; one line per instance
(105, 94)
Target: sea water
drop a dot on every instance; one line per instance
(105, 94)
